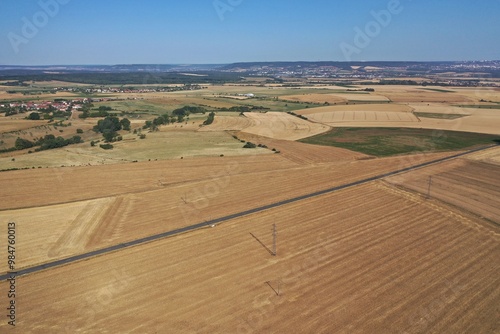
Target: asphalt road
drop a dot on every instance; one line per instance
(136, 242)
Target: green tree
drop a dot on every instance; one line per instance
(34, 116)
(125, 123)
(210, 119)
(22, 144)
(109, 135)
(111, 123)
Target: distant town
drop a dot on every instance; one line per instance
(466, 73)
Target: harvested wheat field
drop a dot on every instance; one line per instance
(491, 156)
(421, 94)
(470, 185)
(146, 199)
(228, 123)
(304, 153)
(282, 126)
(458, 117)
(315, 98)
(363, 97)
(276, 125)
(483, 93)
(371, 113)
(376, 107)
(412, 115)
(374, 259)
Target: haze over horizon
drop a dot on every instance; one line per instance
(73, 32)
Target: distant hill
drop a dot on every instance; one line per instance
(220, 73)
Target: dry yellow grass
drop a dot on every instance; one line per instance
(10, 124)
(174, 141)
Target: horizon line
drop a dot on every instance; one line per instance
(257, 61)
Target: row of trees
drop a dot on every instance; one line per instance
(46, 143)
(102, 111)
(178, 115)
(187, 110)
(242, 109)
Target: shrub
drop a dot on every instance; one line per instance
(79, 131)
(106, 146)
(250, 145)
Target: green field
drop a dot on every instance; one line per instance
(481, 106)
(383, 142)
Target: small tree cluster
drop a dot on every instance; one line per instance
(109, 127)
(210, 119)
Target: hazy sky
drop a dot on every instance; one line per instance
(48, 32)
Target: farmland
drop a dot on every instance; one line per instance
(390, 141)
(377, 252)
(341, 260)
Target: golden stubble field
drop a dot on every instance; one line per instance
(276, 125)
(88, 208)
(374, 259)
(368, 258)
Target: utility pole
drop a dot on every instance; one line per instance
(275, 233)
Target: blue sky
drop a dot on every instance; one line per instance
(224, 31)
